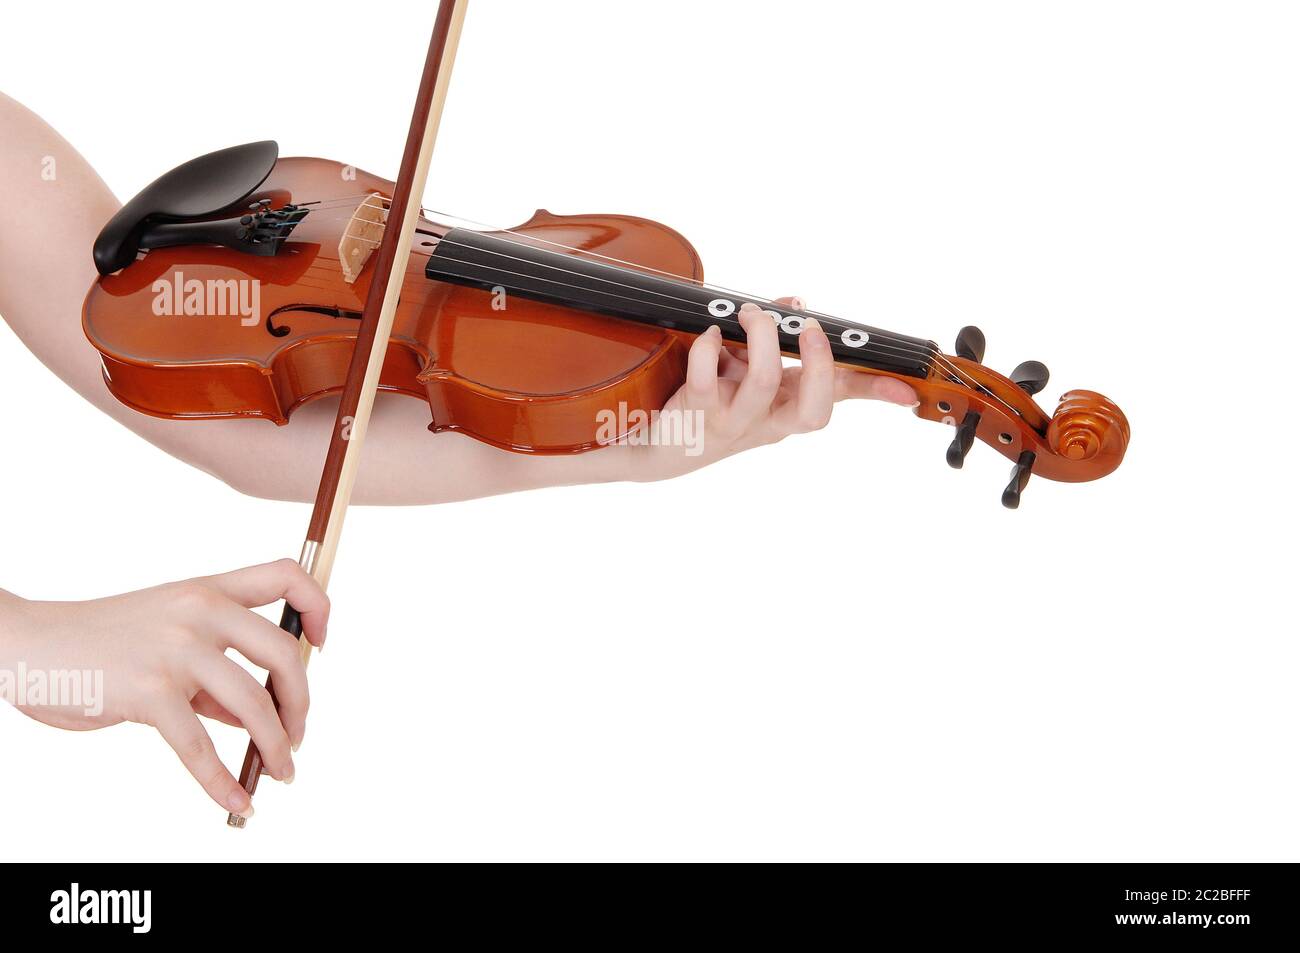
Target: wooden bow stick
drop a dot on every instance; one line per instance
(358, 397)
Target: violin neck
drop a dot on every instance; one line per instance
(493, 262)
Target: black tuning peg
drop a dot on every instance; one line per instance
(970, 344)
(1019, 477)
(1031, 376)
(961, 443)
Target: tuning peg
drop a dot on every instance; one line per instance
(1019, 477)
(961, 443)
(1031, 376)
(970, 344)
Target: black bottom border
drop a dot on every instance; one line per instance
(1183, 903)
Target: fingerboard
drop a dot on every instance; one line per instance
(488, 261)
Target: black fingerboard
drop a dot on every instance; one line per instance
(492, 262)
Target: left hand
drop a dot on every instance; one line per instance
(746, 397)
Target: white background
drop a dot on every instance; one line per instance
(833, 648)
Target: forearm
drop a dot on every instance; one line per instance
(403, 463)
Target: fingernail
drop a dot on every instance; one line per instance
(914, 404)
(240, 803)
(714, 330)
(749, 306)
(288, 778)
(296, 745)
(812, 323)
(797, 304)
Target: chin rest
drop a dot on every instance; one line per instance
(197, 190)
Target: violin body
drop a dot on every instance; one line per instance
(522, 375)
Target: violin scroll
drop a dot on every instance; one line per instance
(1089, 428)
(1084, 439)
(1086, 429)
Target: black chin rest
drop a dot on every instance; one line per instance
(197, 189)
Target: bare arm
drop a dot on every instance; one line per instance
(44, 179)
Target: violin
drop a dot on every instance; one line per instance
(284, 280)
(518, 337)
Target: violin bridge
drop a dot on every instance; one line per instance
(362, 236)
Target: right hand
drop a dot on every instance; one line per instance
(162, 652)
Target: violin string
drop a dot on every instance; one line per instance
(620, 264)
(834, 323)
(907, 348)
(611, 294)
(930, 352)
(909, 351)
(918, 350)
(839, 325)
(903, 351)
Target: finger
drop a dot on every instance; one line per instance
(855, 384)
(702, 370)
(812, 405)
(180, 727)
(266, 644)
(763, 379)
(736, 359)
(269, 582)
(205, 705)
(241, 695)
(732, 364)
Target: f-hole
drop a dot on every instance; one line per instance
(280, 330)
